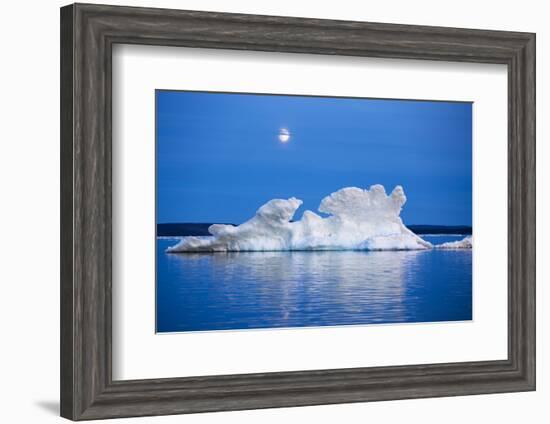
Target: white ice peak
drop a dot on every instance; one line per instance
(358, 220)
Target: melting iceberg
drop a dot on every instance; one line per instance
(357, 220)
(465, 243)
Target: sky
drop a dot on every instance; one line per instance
(220, 155)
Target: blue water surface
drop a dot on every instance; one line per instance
(229, 291)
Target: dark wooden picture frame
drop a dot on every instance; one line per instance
(88, 33)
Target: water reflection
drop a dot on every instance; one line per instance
(295, 289)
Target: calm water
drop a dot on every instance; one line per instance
(225, 291)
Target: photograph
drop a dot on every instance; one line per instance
(289, 211)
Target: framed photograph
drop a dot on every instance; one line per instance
(263, 211)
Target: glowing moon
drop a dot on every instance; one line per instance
(284, 135)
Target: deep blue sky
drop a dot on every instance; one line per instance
(219, 157)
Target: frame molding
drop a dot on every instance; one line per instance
(88, 33)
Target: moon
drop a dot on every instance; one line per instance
(284, 135)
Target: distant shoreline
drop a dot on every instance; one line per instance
(183, 229)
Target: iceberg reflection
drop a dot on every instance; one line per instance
(238, 290)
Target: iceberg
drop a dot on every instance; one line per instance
(357, 219)
(465, 243)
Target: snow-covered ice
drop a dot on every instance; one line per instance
(358, 219)
(465, 243)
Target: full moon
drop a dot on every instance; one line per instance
(284, 135)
